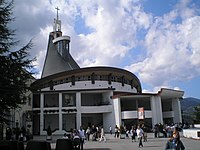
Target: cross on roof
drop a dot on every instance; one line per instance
(57, 11)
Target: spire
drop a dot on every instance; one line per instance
(57, 22)
(57, 11)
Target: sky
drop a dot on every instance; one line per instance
(157, 40)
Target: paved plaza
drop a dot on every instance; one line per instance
(127, 144)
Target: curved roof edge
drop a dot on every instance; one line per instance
(113, 70)
(61, 38)
(164, 92)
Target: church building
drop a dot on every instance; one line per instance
(68, 96)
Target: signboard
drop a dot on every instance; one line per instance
(141, 113)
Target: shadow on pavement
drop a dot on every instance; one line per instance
(150, 146)
(97, 149)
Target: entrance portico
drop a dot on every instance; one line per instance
(162, 107)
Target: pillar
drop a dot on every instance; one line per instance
(60, 112)
(156, 108)
(117, 111)
(176, 107)
(78, 107)
(42, 114)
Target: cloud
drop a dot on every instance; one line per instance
(114, 26)
(172, 49)
(115, 33)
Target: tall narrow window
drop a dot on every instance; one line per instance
(60, 48)
(93, 78)
(123, 80)
(109, 78)
(73, 80)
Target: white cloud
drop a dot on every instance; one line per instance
(173, 50)
(114, 29)
(114, 26)
(186, 9)
(171, 41)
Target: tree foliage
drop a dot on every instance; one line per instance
(197, 114)
(13, 65)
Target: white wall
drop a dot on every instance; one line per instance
(191, 133)
(96, 109)
(88, 85)
(134, 114)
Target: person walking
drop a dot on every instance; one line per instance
(94, 133)
(179, 143)
(133, 133)
(110, 130)
(145, 133)
(140, 133)
(82, 137)
(155, 129)
(116, 132)
(102, 135)
(88, 133)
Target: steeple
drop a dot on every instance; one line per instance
(58, 57)
(57, 11)
(57, 25)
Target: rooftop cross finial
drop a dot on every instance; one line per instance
(57, 11)
(57, 22)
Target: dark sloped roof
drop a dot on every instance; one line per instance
(55, 63)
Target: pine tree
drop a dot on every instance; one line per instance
(13, 65)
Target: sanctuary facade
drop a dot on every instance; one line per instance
(67, 96)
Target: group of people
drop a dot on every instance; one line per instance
(166, 130)
(18, 134)
(139, 132)
(77, 136)
(97, 134)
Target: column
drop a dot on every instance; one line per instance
(156, 108)
(117, 111)
(78, 108)
(60, 112)
(176, 107)
(136, 104)
(42, 114)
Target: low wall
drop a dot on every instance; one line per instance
(197, 126)
(192, 133)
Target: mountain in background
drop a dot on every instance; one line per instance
(187, 107)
